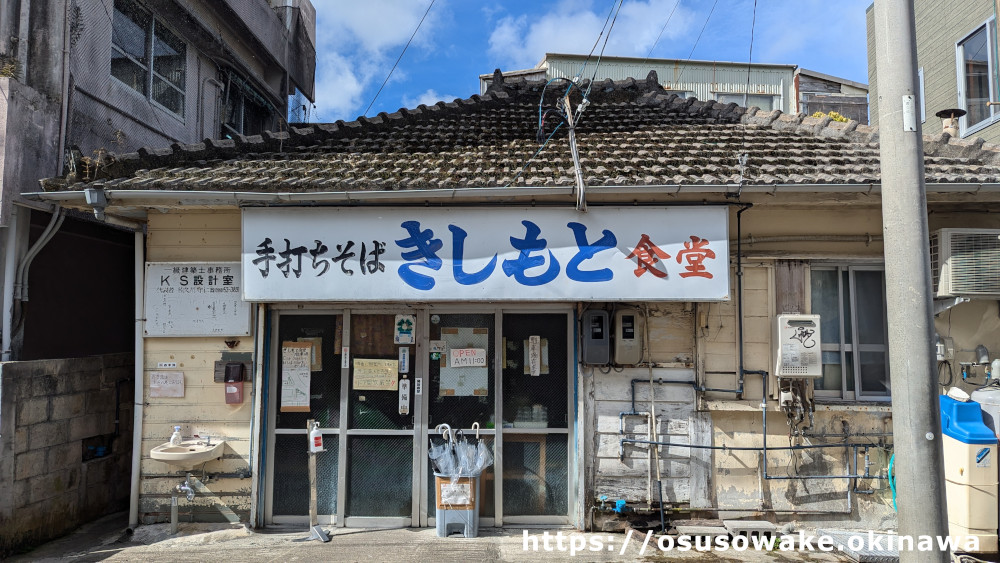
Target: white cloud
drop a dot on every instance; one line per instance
(574, 27)
(430, 97)
(357, 42)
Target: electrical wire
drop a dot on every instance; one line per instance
(400, 57)
(743, 157)
(525, 167)
(599, 35)
(662, 29)
(603, 47)
(693, 47)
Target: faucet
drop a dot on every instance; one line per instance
(186, 488)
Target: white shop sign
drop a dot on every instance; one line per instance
(480, 254)
(195, 299)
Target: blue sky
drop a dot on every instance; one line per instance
(358, 41)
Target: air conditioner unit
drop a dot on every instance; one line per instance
(966, 262)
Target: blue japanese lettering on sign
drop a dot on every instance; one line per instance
(458, 249)
(424, 254)
(587, 251)
(530, 243)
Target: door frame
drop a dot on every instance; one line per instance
(420, 365)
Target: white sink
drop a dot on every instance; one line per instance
(189, 453)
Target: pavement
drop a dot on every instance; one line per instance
(107, 540)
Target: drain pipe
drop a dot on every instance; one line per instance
(21, 281)
(139, 377)
(9, 267)
(184, 488)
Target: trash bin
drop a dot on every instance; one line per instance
(457, 505)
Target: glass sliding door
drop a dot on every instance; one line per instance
(461, 390)
(380, 480)
(309, 390)
(536, 416)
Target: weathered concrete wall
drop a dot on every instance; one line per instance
(29, 141)
(50, 412)
(189, 237)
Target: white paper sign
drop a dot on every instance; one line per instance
(295, 376)
(166, 384)
(438, 346)
(467, 357)
(404, 396)
(535, 355)
(477, 254)
(418, 386)
(465, 374)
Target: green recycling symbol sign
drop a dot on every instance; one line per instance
(405, 325)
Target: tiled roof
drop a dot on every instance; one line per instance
(633, 133)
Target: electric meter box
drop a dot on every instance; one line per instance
(596, 341)
(799, 349)
(629, 328)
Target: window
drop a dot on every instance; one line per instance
(246, 111)
(854, 341)
(147, 57)
(975, 78)
(764, 102)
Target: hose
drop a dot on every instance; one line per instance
(892, 482)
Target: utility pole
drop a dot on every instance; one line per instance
(916, 423)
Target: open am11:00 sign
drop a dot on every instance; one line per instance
(195, 299)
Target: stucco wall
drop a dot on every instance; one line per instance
(225, 496)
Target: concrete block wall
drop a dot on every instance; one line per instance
(48, 411)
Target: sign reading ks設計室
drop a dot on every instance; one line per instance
(481, 254)
(195, 299)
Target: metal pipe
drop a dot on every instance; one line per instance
(9, 268)
(739, 295)
(54, 222)
(64, 110)
(866, 238)
(137, 399)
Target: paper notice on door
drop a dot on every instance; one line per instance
(464, 367)
(296, 359)
(376, 375)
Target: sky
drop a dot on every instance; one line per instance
(358, 42)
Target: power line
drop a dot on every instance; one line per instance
(693, 47)
(606, 38)
(662, 29)
(743, 157)
(598, 40)
(399, 58)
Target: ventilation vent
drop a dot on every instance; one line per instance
(966, 262)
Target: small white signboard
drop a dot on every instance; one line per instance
(467, 357)
(195, 299)
(166, 384)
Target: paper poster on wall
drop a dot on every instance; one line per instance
(316, 353)
(464, 370)
(404, 333)
(166, 384)
(536, 356)
(295, 376)
(376, 375)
